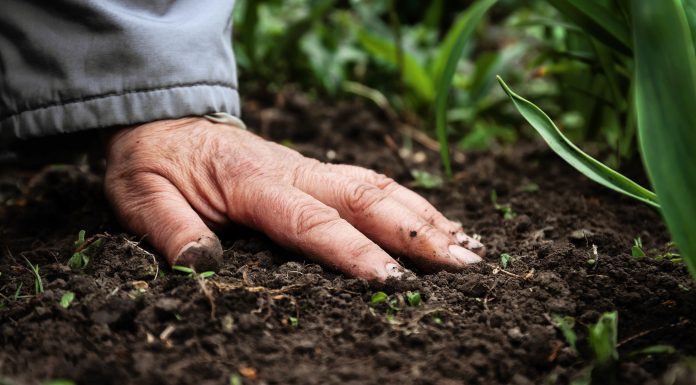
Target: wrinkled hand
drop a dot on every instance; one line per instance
(174, 180)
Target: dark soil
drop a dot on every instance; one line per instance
(270, 317)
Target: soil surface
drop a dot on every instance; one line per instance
(271, 317)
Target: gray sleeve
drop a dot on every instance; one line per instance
(71, 65)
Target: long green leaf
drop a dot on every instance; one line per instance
(598, 21)
(414, 74)
(665, 75)
(469, 21)
(584, 163)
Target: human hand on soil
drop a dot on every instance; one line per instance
(175, 180)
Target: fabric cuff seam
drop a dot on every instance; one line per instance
(115, 94)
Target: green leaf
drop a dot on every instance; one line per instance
(637, 248)
(505, 260)
(665, 76)
(566, 325)
(603, 338)
(452, 49)
(80, 238)
(207, 274)
(183, 269)
(67, 299)
(582, 162)
(656, 349)
(414, 76)
(413, 298)
(378, 297)
(598, 21)
(425, 179)
(294, 322)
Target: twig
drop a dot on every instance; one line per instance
(646, 332)
(207, 293)
(499, 270)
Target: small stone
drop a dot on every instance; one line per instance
(515, 334)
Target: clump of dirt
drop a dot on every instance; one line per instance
(270, 317)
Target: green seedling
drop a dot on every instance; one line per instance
(38, 284)
(192, 273)
(505, 260)
(670, 256)
(637, 248)
(530, 188)
(566, 325)
(294, 321)
(378, 297)
(504, 209)
(235, 379)
(602, 337)
(655, 349)
(17, 294)
(84, 250)
(67, 299)
(413, 298)
(425, 179)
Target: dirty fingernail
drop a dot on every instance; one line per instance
(205, 254)
(463, 254)
(467, 241)
(399, 272)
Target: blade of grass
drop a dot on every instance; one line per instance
(469, 20)
(582, 162)
(665, 73)
(598, 21)
(414, 74)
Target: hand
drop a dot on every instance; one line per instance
(174, 180)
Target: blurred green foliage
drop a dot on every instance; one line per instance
(398, 50)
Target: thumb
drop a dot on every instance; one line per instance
(151, 206)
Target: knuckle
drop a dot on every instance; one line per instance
(362, 196)
(311, 216)
(425, 230)
(384, 182)
(359, 248)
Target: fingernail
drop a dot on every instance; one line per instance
(467, 241)
(463, 254)
(394, 270)
(205, 254)
(399, 272)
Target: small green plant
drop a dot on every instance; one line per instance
(378, 297)
(235, 379)
(192, 273)
(38, 283)
(17, 294)
(84, 250)
(67, 299)
(413, 298)
(566, 325)
(425, 179)
(602, 337)
(294, 321)
(505, 260)
(392, 308)
(504, 209)
(637, 248)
